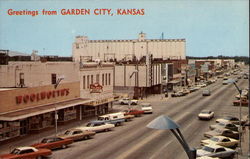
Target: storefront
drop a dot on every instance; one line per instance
(29, 110)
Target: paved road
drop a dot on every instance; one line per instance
(134, 141)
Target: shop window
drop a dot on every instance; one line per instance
(53, 78)
(83, 82)
(109, 78)
(106, 80)
(21, 79)
(87, 81)
(97, 78)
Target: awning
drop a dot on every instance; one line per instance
(25, 113)
(101, 101)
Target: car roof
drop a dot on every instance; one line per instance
(26, 147)
(146, 104)
(213, 145)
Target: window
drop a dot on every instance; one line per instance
(21, 78)
(220, 150)
(53, 78)
(87, 81)
(106, 80)
(109, 78)
(83, 82)
(97, 78)
(103, 79)
(92, 79)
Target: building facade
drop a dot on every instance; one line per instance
(116, 50)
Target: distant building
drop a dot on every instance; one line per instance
(115, 50)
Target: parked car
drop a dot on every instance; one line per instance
(126, 101)
(226, 125)
(213, 150)
(77, 134)
(206, 115)
(26, 153)
(97, 126)
(207, 157)
(177, 94)
(128, 117)
(113, 118)
(134, 112)
(222, 141)
(231, 119)
(225, 82)
(206, 92)
(222, 132)
(147, 108)
(244, 102)
(53, 143)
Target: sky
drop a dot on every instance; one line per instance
(210, 27)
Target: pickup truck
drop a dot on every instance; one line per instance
(113, 118)
(97, 126)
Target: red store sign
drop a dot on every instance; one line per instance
(96, 88)
(35, 97)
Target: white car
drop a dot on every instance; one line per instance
(213, 150)
(147, 108)
(206, 115)
(97, 126)
(222, 141)
(126, 101)
(207, 157)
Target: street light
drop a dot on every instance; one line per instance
(240, 127)
(60, 78)
(165, 123)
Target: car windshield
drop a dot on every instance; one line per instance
(218, 130)
(214, 139)
(221, 124)
(209, 149)
(67, 132)
(101, 118)
(46, 141)
(90, 125)
(15, 151)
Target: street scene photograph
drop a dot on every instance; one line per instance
(115, 79)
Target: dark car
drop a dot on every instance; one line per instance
(53, 143)
(206, 92)
(222, 132)
(224, 125)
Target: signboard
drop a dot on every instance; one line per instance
(96, 88)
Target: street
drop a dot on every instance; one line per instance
(133, 140)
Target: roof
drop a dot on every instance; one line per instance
(25, 113)
(26, 147)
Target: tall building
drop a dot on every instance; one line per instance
(106, 50)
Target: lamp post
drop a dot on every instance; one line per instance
(240, 127)
(56, 115)
(165, 123)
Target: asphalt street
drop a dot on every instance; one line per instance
(133, 140)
